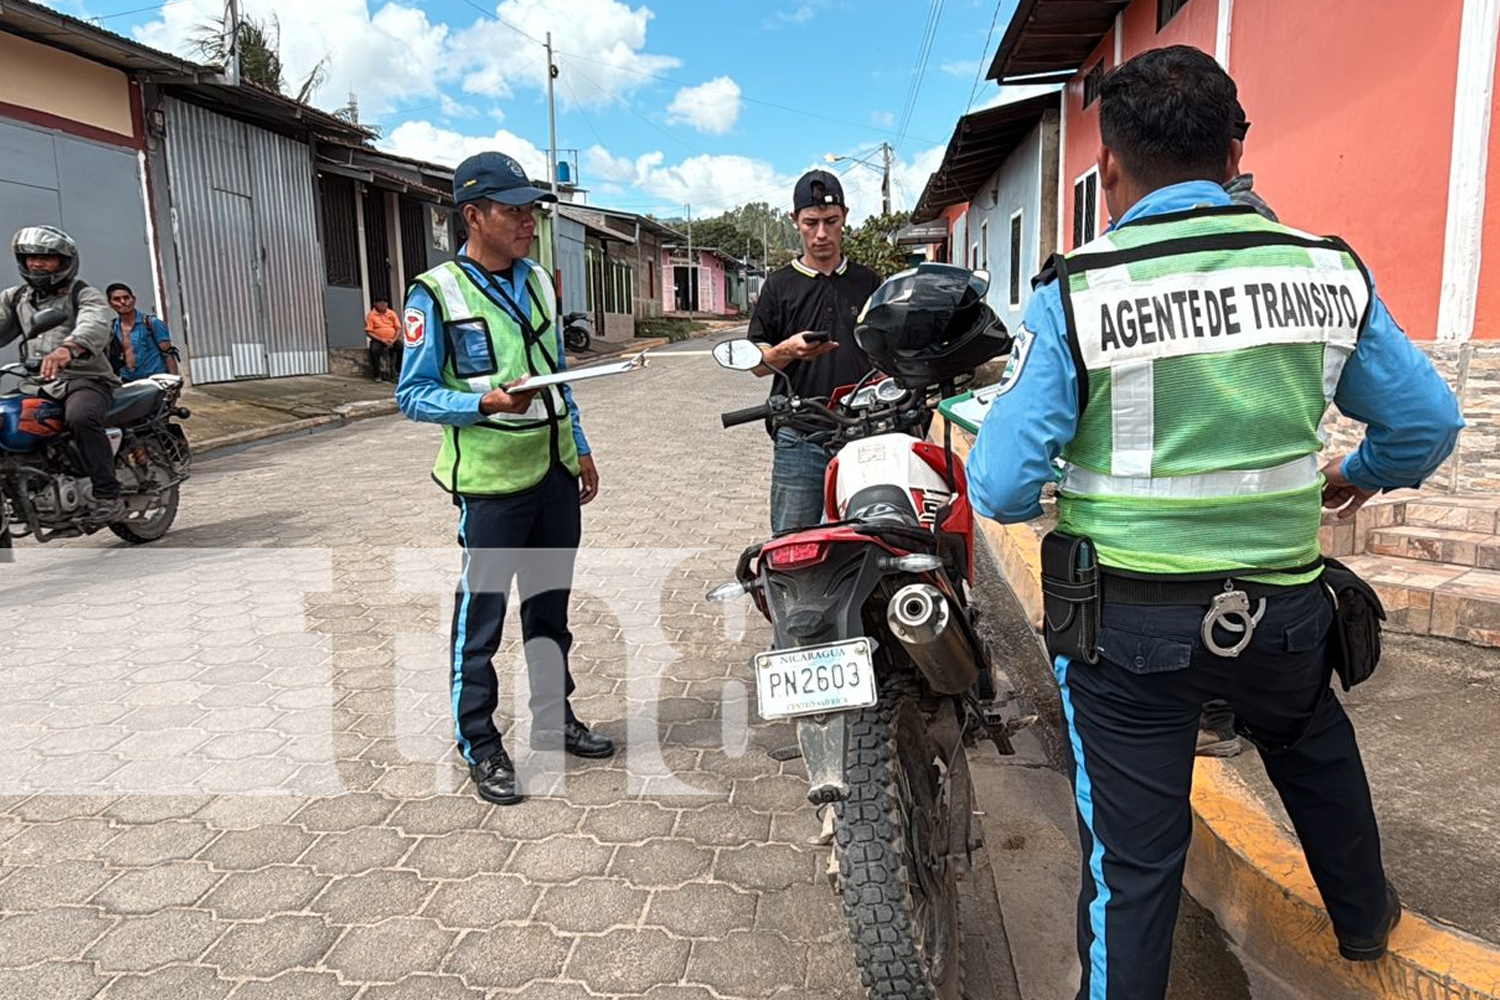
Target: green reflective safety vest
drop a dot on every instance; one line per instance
(488, 347)
(1208, 346)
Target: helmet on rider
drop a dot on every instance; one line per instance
(45, 241)
(930, 324)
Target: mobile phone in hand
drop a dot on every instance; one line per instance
(817, 336)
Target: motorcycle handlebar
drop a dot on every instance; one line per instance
(749, 415)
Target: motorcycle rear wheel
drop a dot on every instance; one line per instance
(577, 338)
(891, 836)
(148, 528)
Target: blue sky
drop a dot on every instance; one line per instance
(667, 103)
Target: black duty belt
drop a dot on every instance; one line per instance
(1198, 592)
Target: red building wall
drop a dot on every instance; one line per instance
(1352, 133)
(1196, 24)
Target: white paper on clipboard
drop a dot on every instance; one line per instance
(580, 374)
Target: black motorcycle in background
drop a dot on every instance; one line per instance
(44, 491)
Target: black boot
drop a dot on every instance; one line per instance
(576, 740)
(1369, 947)
(495, 779)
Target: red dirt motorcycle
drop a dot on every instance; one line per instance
(875, 652)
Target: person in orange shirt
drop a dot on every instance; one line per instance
(385, 343)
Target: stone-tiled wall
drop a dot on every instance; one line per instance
(1473, 370)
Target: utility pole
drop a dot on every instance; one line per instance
(765, 252)
(885, 182)
(232, 44)
(552, 157)
(692, 296)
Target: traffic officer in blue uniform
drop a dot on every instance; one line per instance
(1179, 368)
(516, 462)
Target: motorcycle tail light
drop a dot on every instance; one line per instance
(797, 554)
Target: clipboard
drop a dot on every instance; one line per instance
(968, 409)
(531, 382)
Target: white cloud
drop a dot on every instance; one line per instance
(961, 67)
(1016, 92)
(714, 184)
(383, 58)
(711, 184)
(598, 45)
(711, 107)
(396, 54)
(423, 140)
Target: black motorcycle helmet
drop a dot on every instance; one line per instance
(930, 324)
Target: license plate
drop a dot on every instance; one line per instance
(814, 679)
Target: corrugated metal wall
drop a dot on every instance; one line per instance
(570, 264)
(244, 221)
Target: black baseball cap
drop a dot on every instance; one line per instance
(497, 177)
(817, 188)
(1241, 126)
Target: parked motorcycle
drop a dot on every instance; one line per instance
(43, 489)
(875, 653)
(577, 333)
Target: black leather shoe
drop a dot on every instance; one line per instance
(577, 740)
(105, 510)
(1367, 948)
(495, 779)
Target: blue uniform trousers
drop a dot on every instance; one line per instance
(1132, 720)
(531, 539)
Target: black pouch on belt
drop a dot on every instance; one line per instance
(1354, 640)
(1070, 597)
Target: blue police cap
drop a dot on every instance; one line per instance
(497, 177)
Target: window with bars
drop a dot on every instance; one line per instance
(340, 232)
(1085, 208)
(1166, 10)
(1092, 81)
(1015, 260)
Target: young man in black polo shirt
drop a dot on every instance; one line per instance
(820, 292)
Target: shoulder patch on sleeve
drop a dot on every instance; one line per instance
(416, 327)
(1019, 351)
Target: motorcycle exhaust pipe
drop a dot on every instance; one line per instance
(921, 618)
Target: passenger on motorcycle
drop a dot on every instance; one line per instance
(74, 354)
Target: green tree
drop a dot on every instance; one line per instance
(874, 243)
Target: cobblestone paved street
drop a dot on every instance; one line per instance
(228, 766)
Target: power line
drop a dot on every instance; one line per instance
(748, 100)
(137, 10)
(979, 70)
(512, 27)
(919, 71)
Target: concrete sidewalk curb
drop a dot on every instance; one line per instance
(270, 432)
(366, 408)
(1251, 874)
(1244, 868)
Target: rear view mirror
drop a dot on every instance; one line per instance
(46, 319)
(738, 355)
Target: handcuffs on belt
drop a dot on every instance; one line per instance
(1222, 611)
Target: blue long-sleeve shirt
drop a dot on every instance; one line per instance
(421, 392)
(1411, 414)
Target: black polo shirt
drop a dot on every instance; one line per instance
(797, 298)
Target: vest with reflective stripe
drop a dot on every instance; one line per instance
(487, 347)
(1208, 347)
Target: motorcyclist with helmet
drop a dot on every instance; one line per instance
(74, 355)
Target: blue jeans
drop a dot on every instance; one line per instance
(796, 481)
